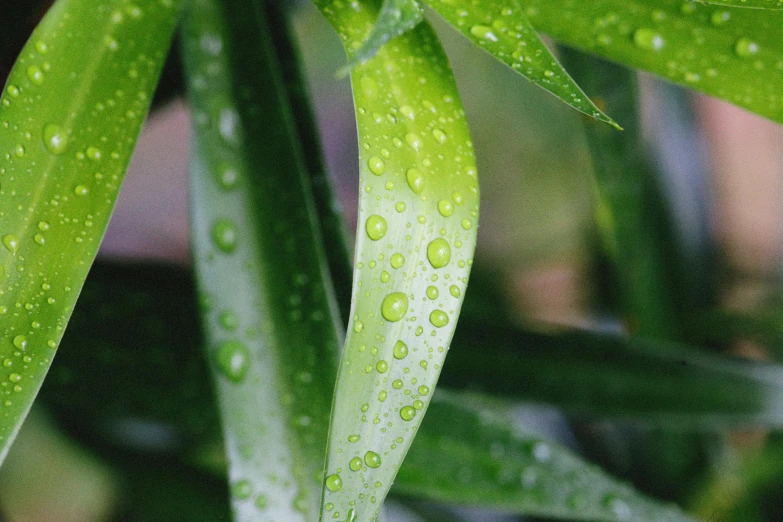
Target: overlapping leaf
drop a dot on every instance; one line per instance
(418, 214)
(754, 4)
(269, 315)
(71, 111)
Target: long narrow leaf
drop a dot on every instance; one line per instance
(753, 4)
(502, 29)
(418, 214)
(270, 316)
(731, 54)
(71, 111)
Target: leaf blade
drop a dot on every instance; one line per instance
(68, 141)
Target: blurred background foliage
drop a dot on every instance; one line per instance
(113, 439)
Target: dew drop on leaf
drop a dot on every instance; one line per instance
(439, 253)
(55, 139)
(394, 306)
(376, 227)
(233, 360)
(372, 459)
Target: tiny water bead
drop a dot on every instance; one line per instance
(439, 318)
(415, 180)
(376, 227)
(354, 438)
(400, 350)
(377, 165)
(397, 260)
(407, 413)
(372, 459)
(228, 320)
(224, 235)
(242, 490)
(93, 153)
(394, 306)
(233, 360)
(35, 75)
(228, 177)
(355, 464)
(648, 39)
(55, 139)
(81, 190)
(467, 224)
(439, 253)
(334, 482)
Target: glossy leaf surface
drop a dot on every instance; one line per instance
(501, 27)
(418, 212)
(69, 118)
(733, 54)
(269, 315)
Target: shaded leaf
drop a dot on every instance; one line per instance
(68, 136)
(731, 54)
(269, 317)
(418, 213)
(501, 28)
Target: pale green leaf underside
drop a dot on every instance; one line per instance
(469, 451)
(418, 213)
(733, 54)
(501, 28)
(395, 18)
(269, 314)
(71, 112)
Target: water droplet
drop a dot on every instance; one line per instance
(20, 342)
(35, 75)
(377, 165)
(439, 135)
(372, 459)
(483, 32)
(228, 177)
(358, 326)
(369, 87)
(394, 306)
(242, 489)
(397, 260)
(354, 438)
(334, 482)
(400, 350)
(648, 39)
(355, 464)
(261, 501)
(81, 190)
(432, 292)
(400, 207)
(439, 318)
(55, 139)
(746, 47)
(224, 235)
(376, 227)
(407, 413)
(445, 207)
(397, 384)
(720, 17)
(11, 243)
(439, 253)
(424, 390)
(454, 289)
(413, 140)
(385, 277)
(382, 367)
(94, 153)
(39, 239)
(228, 320)
(233, 359)
(415, 180)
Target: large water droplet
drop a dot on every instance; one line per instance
(377, 165)
(376, 227)
(400, 350)
(11, 243)
(233, 359)
(20, 342)
(415, 180)
(439, 253)
(355, 464)
(372, 459)
(407, 413)
(439, 318)
(445, 207)
(334, 482)
(394, 306)
(55, 139)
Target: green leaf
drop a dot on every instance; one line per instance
(395, 18)
(417, 226)
(502, 29)
(608, 376)
(753, 4)
(631, 218)
(269, 316)
(469, 451)
(731, 54)
(72, 109)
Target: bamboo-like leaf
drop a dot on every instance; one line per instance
(502, 29)
(71, 111)
(418, 214)
(630, 216)
(733, 54)
(270, 317)
(395, 17)
(469, 452)
(753, 4)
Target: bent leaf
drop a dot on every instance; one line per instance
(469, 451)
(733, 54)
(269, 316)
(418, 213)
(67, 136)
(395, 17)
(501, 28)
